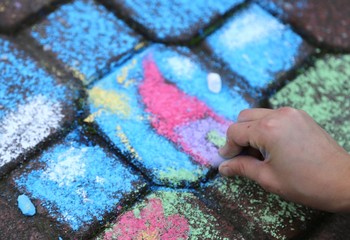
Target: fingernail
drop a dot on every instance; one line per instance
(225, 170)
(223, 151)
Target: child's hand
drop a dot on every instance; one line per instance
(302, 163)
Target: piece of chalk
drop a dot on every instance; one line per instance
(214, 82)
(25, 205)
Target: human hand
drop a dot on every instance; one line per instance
(301, 162)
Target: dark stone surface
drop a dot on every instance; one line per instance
(13, 12)
(258, 47)
(34, 104)
(15, 226)
(78, 185)
(323, 92)
(86, 38)
(172, 21)
(169, 214)
(257, 213)
(325, 22)
(335, 228)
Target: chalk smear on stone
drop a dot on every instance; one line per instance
(249, 30)
(214, 82)
(30, 124)
(181, 66)
(68, 167)
(25, 205)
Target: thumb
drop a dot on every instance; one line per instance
(243, 165)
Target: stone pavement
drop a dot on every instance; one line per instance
(111, 118)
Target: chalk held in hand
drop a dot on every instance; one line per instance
(25, 205)
(214, 82)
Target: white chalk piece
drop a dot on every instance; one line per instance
(214, 82)
(25, 205)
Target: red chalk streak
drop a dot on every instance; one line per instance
(151, 224)
(170, 108)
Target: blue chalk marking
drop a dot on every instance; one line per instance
(21, 76)
(170, 19)
(256, 46)
(191, 78)
(25, 205)
(79, 182)
(85, 37)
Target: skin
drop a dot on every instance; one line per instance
(289, 154)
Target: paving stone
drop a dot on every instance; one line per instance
(175, 21)
(170, 215)
(336, 227)
(258, 210)
(323, 92)
(158, 110)
(14, 12)
(325, 22)
(14, 226)
(33, 104)
(257, 46)
(79, 184)
(86, 38)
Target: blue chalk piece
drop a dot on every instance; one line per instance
(85, 37)
(177, 19)
(25, 205)
(256, 45)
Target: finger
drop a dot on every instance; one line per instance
(245, 166)
(240, 135)
(253, 114)
(250, 167)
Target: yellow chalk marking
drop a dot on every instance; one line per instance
(110, 101)
(122, 79)
(124, 139)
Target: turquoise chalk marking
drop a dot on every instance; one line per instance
(25, 205)
(87, 39)
(79, 182)
(256, 45)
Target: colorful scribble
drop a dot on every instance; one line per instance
(149, 223)
(172, 112)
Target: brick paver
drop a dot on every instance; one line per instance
(12, 13)
(175, 21)
(79, 183)
(323, 92)
(159, 101)
(326, 22)
(257, 46)
(111, 135)
(240, 198)
(170, 215)
(33, 104)
(86, 38)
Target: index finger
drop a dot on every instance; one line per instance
(240, 135)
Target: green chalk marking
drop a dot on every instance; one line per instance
(215, 138)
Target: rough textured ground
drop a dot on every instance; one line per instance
(112, 112)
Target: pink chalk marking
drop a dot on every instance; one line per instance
(171, 109)
(150, 224)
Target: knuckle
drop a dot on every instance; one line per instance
(244, 114)
(289, 112)
(268, 124)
